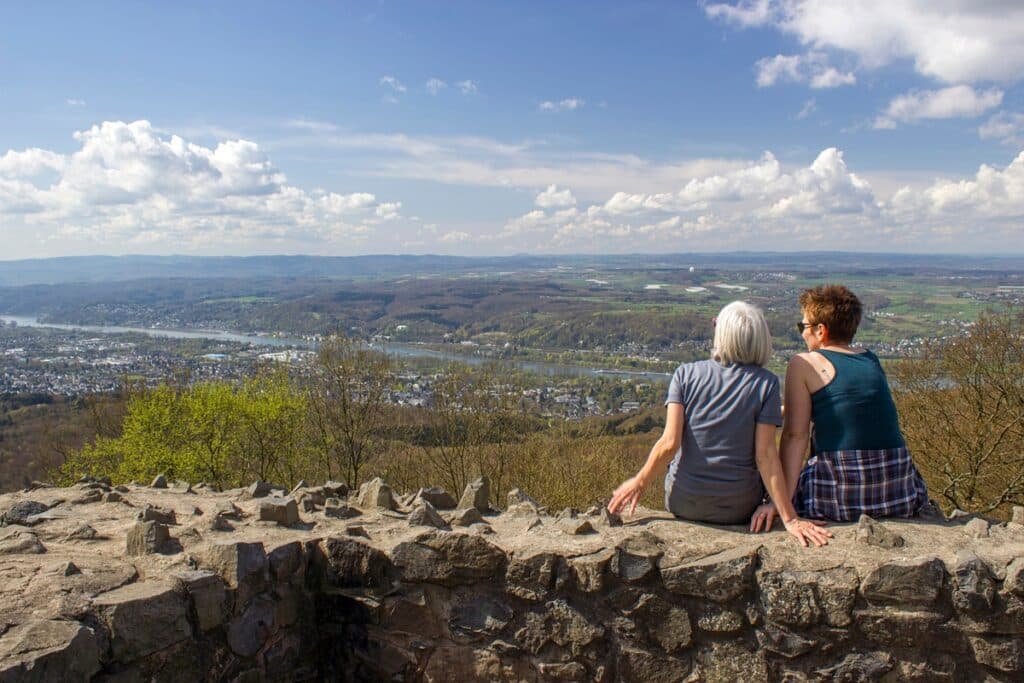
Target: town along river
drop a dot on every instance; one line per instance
(402, 350)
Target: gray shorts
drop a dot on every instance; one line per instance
(734, 509)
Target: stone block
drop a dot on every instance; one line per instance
(448, 558)
(1002, 654)
(438, 497)
(782, 641)
(905, 582)
(467, 517)
(666, 624)
(21, 512)
(477, 495)
(1017, 515)
(888, 627)
(243, 566)
(206, 593)
(146, 538)
(424, 514)
(143, 618)
(21, 543)
(591, 571)
(259, 489)
(517, 497)
(974, 587)
(286, 561)
(533, 577)
(977, 528)
(875, 533)
(560, 624)
(335, 508)
(636, 558)
(715, 619)
(283, 511)
(349, 563)
(479, 616)
(1014, 581)
(41, 651)
(634, 665)
(152, 513)
(248, 632)
(785, 599)
(720, 577)
(159, 482)
(376, 494)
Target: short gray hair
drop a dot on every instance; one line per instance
(742, 336)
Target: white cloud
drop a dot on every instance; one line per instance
(568, 104)
(455, 236)
(74, 102)
(811, 69)
(467, 87)
(392, 82)
(1005, 126)
(435, 85)
(311, 125)
(129, 183)
(956, 41)
(552, 197)
(959, 101)
(992, 193)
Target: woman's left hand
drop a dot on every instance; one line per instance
(763, 517)
(627, 495)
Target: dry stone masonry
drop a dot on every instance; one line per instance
(172, 582)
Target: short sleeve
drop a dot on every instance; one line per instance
(771, 404)
(675, 387)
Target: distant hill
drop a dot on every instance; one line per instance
(120, 268)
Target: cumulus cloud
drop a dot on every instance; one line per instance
(466, 87)
(955, 41)
(568, 104)
(992, 193)
(1006, 126)
(131, 182)
(552, 197)
(811, 69)
(960, 101)
(435, 85)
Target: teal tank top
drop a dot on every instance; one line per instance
(855, 411)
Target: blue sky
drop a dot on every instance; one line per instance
(499, 128)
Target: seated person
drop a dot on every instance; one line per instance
(722, 415)
(859, 461)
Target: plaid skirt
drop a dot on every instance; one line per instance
(841, 485)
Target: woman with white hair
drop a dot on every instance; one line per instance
(720, 434)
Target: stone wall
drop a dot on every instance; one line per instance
(173, 583)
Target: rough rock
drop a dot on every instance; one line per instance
(21, 543)
(636, 558)
(42, 650)
(477, 495)
(436, 496)
(130, 613)
(334, 507)
(424, 514)
(242, 565)
(145, 538)
(517, 497)
(977, 528)
(975, 587)
(159, 482)
(152, 513)
(466, 517)
(905, 582)
(562, 625)
(22, 511)
(874, 533)
(1018, 514)
(259, 489)
(376, 494)
(720, 577)
(283, 511)
(447, 558)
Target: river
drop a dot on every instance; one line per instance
(402, 350)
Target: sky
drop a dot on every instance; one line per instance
(499, 128)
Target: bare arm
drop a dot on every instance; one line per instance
(629, 492)
(768, 465)
(796, 424)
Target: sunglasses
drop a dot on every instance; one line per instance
(801, 326)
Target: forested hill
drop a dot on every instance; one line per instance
(117, 268)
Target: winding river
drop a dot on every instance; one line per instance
(402, 350)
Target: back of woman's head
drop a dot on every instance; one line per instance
(834, 306)
(742, 336)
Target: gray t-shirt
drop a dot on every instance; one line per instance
(722, 406)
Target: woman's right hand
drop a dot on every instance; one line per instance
(808, 531)
(627, 495)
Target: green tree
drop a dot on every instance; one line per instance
(347, 399)
(273, 415)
